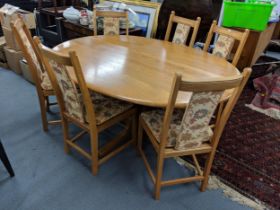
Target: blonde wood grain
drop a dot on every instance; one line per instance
(207, 148)
(96, 155)
(18, 26)
(140, 70)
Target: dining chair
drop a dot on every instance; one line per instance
(111, 21)
(186, 132)
(183, 29)
(225, 42)
(92, 112)
(5, 160)
(39, 75)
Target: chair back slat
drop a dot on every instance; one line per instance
(194, 128)
(72, 98)
(181, 34)
(111, 26)
(25, 41)
(225, 42)
(111, 21)
(223, 46)
(183, 29)
(69, 97)
(206, 95)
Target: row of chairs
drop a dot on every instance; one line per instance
(172, 132)
(223, 46)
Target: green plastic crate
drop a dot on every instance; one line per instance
(254, 16)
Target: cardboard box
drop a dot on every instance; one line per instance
(2, 45)
(10, 13)
(10, 39)
(4, 65)
(13, 58)
(26, 71)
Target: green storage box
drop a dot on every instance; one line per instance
(254, 16)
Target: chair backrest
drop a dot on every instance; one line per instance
(206, 95)
(183, 28)
(225, 41)
(74, 102)
(25, 41)
(111, 21)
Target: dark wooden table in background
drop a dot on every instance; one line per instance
(74, 30)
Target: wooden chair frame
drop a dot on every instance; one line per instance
(206, 148)
(113, 14)
(97, 156)
(237, 35)
(176, 19)
(43, 95)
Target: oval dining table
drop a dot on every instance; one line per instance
(140, 70)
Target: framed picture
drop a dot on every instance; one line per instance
(143, 14)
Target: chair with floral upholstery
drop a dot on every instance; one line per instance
(186, 132)
(111, 21)
(91, 112)
(39, 75)
(183, 28)
(225, 42)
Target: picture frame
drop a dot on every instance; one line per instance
(147, 12)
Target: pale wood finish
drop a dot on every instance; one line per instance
(113, 14)
(43, 95)
(96, 155)
(178, 84)
(140, 70)
(191, 23)
(237, 35)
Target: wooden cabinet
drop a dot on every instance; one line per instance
(255, 46)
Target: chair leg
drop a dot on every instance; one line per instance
(5, 160)
(47, 104)
(65, 126)
(94, 152)
(160, 162)
(43, 109)
(140, 136)
(206, 171)
(134, 130)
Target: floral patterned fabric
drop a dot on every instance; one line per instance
(71, 97)
(154, 120)
(223, 46)
(188, 128)
(46, 83)
(106, 107)
(181, 34)
(111, 26)
(195, 124)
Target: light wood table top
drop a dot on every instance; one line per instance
(140, 70)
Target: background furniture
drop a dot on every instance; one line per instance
(225, 42)
(111, 21)
(208, 10)
(5, 160)
(183, 28)
(71, 30)
(256, 44)
(140, 70)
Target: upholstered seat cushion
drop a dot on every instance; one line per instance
(154, 120)
(106, 107)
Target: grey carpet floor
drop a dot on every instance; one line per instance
(47, 178)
